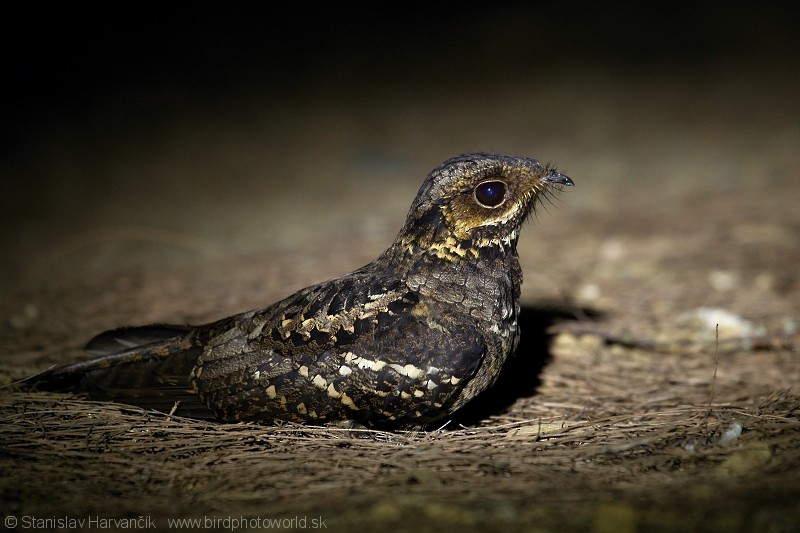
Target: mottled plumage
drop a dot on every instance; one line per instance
(403, 342)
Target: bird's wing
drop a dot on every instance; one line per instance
(349, 348)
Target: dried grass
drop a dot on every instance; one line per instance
(589, 435)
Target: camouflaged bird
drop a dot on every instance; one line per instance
(403, 341)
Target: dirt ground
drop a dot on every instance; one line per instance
(656, 387)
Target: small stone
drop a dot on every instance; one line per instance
(588, 292)
(730, 324)
(723, 280)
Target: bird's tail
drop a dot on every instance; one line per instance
(148, 366)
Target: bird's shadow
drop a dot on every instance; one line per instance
(520, 375)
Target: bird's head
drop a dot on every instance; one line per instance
(475, 201)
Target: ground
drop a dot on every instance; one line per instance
(656, 387)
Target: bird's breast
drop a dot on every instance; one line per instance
(484, 284)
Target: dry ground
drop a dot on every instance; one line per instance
(624, 410)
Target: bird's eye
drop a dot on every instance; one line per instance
(490, 193)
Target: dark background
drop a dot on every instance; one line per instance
(69, 62)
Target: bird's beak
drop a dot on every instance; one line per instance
(557, 178)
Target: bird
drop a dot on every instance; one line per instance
(402, 342)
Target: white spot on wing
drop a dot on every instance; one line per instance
(362, 362)
(348, 401)
(319, 381)
(371, 365)
(409, 370)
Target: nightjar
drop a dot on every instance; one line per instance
(401, 342)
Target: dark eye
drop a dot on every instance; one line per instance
(490, 193)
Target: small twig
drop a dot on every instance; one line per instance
(713, 378)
